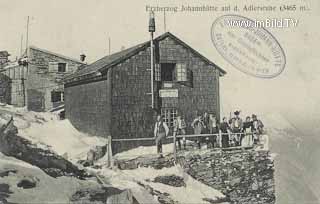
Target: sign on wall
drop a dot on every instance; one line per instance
(168, 93)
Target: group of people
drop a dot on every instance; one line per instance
(241, 133)
(233, 132)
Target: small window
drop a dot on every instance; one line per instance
(169, 115)
(168, 71)
(62, 67)
(57, 96)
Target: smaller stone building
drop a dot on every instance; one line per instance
(35, 80)
(45, 70)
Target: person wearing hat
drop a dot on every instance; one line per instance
(179, 128)
(257, 127)
(236, 127)
(161, 130)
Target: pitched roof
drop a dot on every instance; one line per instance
(110, 60)
(103, 62)
(55, 54)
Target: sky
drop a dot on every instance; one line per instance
(74, 27)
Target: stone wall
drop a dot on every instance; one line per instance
(243, 176)
(41, 82)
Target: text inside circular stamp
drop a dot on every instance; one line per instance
(248, 46)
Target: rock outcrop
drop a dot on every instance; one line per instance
(13, 145)
(156, 163)
(243, 176)
(171, 180)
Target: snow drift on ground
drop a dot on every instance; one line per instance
(47, 189)
(194, 191)
(46, 131)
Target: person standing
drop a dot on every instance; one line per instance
(206, 121)
(236, 127)
(213, 129)
(224, 128)
(257, 127)
(198, 126)
(161, 131)
(179, 125)
(247, 131)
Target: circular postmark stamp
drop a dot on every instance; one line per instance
(247, 46)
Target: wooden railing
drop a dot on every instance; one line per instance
(175, 136)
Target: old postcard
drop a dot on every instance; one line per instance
(159, 101)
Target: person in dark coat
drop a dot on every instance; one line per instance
(206, 121)
(213, 129)
(257, 128)
(225, 128)
(161, 131)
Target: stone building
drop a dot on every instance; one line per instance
(43, 81)
(112, 95)
(16, 74)
(35, 80)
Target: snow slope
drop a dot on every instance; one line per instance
(46, 131)
(193, 192)
(47, 189)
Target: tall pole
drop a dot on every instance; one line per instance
(25, 75)
(109, 46)
(164, 21)
(27, 39)
(152, 68)
(21, 42)
(152, 29)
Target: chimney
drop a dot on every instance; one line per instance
(82, 57)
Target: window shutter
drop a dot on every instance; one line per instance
(157, 72)
(67, 67)
(53, 96)
(181, 72)
(53, 66)
(190, 77)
